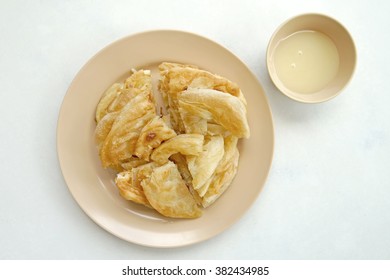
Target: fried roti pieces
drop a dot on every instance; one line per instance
(122, 112)
(120, 143)
(185, 144)
(151, 136)
(183, 161)
(168, 194)
(203, 165)
(128, 183)
(218, 107)
(175, 78)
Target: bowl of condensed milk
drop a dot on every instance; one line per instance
(311, 58)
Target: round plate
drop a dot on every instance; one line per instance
(93, 187)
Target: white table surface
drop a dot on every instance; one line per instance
(328, 192)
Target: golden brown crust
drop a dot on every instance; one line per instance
(224, 173)
(175, 78)
(178, 77)
(203, 165)
(128, 190)
(103, 128)
(186, 144)
(151, 136)
(122, 112)
(221, 181)
(119, 144)
(168, 194)
(225, 110)
(119, 94)
(108, 97)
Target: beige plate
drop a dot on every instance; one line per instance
(93, 187)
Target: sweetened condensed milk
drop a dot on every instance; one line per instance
(306, 61)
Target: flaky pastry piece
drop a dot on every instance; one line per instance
(151, 136)
(164, 69)
(223, 109)
(119, 94)
(203, 165)
(129, 183)
(121, 113)
(185, 144)
(139, 82)
(107, 98)
(176, 78)
(103, 128)
(182, 166)
(223, 174)
(230, 148)
(168, 194)
(128, 190)
(193, 123)
(124, 182)
(221, 181)
(120, 142)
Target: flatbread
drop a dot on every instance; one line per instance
(168, 194)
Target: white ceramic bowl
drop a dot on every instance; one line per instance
(341, 39)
